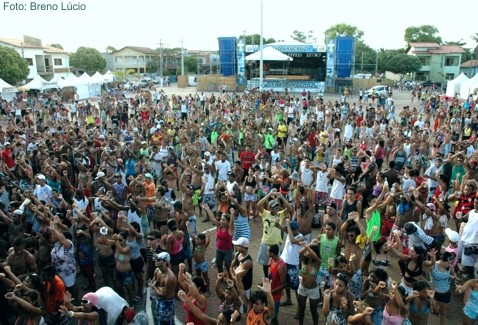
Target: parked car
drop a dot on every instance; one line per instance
(379, 90)
(433, 84)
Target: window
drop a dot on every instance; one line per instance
(29, 61)
(58, 61)
(424, 60)
(450, 61)
(450, 76)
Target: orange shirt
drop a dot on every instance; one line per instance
(256, 319)
(150, 190)
(54, 294)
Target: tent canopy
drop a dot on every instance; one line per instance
(453, 86)
(38, 83)
(5, 87)
(268, 54)
(467, 87)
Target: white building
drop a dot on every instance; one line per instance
(42, 60)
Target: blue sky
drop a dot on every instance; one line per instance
(199, 22)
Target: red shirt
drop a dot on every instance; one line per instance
(247, 159)
(145, 115)
(7, 157)
(275, 277)
(311, 138)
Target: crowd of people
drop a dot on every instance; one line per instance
(110, 193)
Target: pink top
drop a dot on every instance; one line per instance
(223, 239)
(391, 320)
(176, 244)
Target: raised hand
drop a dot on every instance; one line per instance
(266, 285)
(430, 293)
(368, 310)
(327, 294)
(182, 295)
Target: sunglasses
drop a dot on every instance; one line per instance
(150, 238)
(84, 301)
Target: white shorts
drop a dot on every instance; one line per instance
(313, 293)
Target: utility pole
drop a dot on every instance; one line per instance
(376, 64)
(361, 65)
(182, 56)
(261, 61)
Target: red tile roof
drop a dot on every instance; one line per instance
(469, 64)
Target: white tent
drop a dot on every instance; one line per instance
(468, 86)
(98, 78)
(7, 91)
(109, 76)
(38, 83)
(453, 86)
(268, 54)
(70, 81)
(84, 79)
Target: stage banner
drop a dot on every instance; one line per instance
(241, 62)
(315, 87)
(330, 64)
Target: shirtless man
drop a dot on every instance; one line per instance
(164, 284)
(183, 212)
(106, 259)
(20, 260)
(304, 208)
(331, 216)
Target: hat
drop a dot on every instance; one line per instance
(207, 153)
(452, 235)
(143, 142)
(274, 203)
(92, 298)
(241, 241)
(135, 130)
(295, 139)
(101, 136)
(99, 175)
(18, 211)
(333, 205)
(148, 175)
(6, 144)
(162, 256)
(104, 231)
(294, 225)
(41, 176)
(269, 129)
(431, 206)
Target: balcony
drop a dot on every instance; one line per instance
(45, 69)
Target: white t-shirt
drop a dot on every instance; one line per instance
(306, 176)
(470, 232)
(290, 254)
(222, 169)
(338, 190)
(321, 181)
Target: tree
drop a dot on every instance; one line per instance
(13, 68)
(398, 62)
(122, 75)
(468, 55)
(110, 49)
(256, 39)
(365, 58)
(57, 46)
(190, 64)
(152, 66)
(308, 38)
(424, 33)
(87, 59)
(343, 29)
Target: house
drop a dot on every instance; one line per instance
(45, 61)
(439, 62)
(470, 68)
(135, 58)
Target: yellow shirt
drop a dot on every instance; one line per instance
(281, 131)
(270, 233)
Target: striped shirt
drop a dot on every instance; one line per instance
(242, 228)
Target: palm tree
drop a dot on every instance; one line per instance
(122, 75)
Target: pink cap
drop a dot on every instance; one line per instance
(92, 298)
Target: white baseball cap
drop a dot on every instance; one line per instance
(241, 241)
(452, 235)
(99, 175)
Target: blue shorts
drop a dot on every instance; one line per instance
(203, 267)
(292, 276)
(126, 278)
(165, 311)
